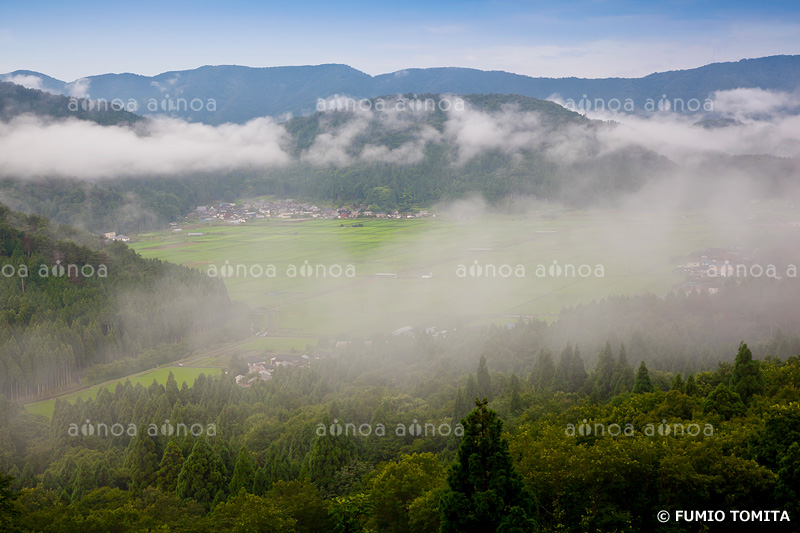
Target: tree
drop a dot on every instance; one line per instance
(398, 484)
(484, 490)
(623, 373)
(724, 402)
(514, 401)
(201, 476)
(245, 513)
(328, 454)
(261, 481)
(141, 461)
(170, 468)
(484, 381)
(604, 373)
(642, 383)
(470, 391)
(244, 473)
(577, 371)
(788, 487)
(560, 377)
(746, 379)
(84, 482)
(543, 371)
(677, 383)
(302, 501)
(690, 388)
(7, 497)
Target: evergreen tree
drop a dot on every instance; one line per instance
(484, 381)
(170, 468)
(201, 475)
(690, 388)
(329, 453)
(84, 483)
(623, 373)
(471, 391)
(604, 373)
(514, 401)
(677, 383)
(642, 383)
(561, 376)
(141, 461)
(223, 451)
(746, 379)
(171, 388)
(484, 490)
(8, 510)
(543, 371)
(787, 488)
(261, 481)
(577, 371)
(244, 473)
(458, 407)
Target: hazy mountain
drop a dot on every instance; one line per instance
(218, 94)
(16, 100)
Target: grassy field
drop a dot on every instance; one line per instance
(181, 374)
(430, 272)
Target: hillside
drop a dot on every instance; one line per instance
(70, 301)
(16, 100)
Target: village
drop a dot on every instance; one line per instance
(706, 270)
(233, 213)
(258, 369)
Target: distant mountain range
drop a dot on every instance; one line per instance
(219, 94)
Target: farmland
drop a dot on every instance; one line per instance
(328, 279)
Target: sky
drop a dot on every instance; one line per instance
(589, 38)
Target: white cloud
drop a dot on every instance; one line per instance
(26, 80)
(30, 147)
(749, 102)
(79, 88)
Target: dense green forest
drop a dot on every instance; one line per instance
(68, 301)
(557, 448)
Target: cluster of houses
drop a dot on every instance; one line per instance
(359, 212)
(233, 213)
(112, 236)
(704, 271)
(258, 369)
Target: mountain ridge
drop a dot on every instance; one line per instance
(216, 94)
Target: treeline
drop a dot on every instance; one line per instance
(65, 306)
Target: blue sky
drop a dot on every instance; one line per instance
(592, 38)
